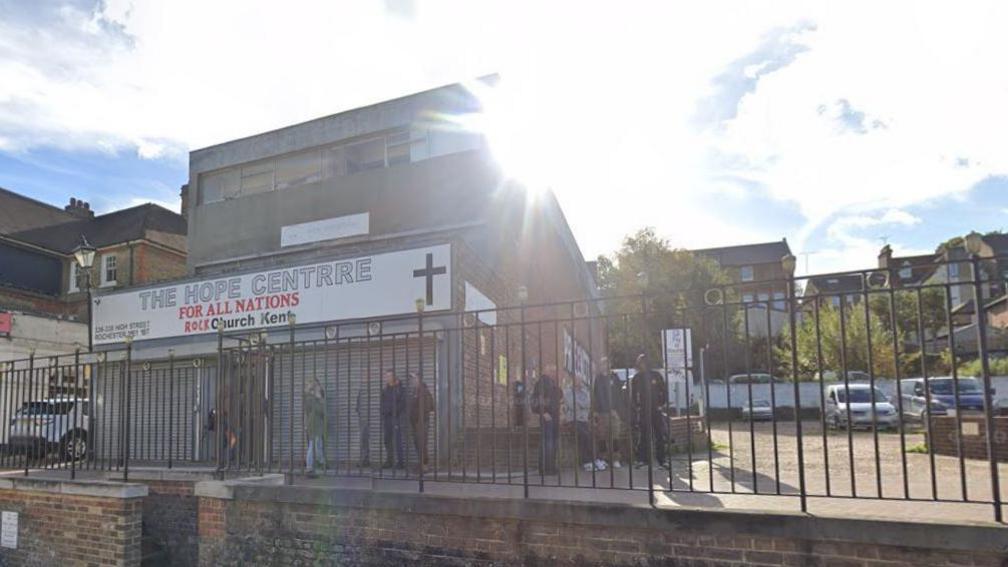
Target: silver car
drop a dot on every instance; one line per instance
(859, 411)
(760, 411)
(41, 426)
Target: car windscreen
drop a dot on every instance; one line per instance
(947, 387)
(860, 396)
(45, 408)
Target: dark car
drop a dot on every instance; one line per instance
(942, 390)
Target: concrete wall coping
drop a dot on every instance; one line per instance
(167, 475)
(225, 489)
(965, 536)
(82, 487)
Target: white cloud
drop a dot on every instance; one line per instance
(637, 111)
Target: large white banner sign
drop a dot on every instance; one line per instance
(368, 286)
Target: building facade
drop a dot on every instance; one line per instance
(384, 237)
(41, 287)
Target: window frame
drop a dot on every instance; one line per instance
(400, 137)
(751, 272)
(105, 268)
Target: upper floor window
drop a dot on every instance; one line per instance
(78, 278)
(953, 271)
(109, 271)
(906, 272)
(746, 273)
(311, 166)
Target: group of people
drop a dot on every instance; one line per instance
(404, 408)
(599, 414)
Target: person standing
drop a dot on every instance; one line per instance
(315, 425)
(649, 396)
(421, 404)
(546, 403)
(610, 405)
(577, 411)
(393, 409)
(363, 426)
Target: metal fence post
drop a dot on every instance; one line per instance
(129, 379)
(218, 403)
(290, 417)
(73, 428)
(171, 398)
(31, 374)
(981, 325)
(788, 262)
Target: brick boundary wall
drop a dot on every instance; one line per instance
(286, 525)
(73, 523)
(944, 440)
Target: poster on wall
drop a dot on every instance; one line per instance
(376, 285)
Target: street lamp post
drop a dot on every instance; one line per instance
(84, 255)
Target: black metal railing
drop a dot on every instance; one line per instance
(740, 396)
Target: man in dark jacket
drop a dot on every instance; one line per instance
(649, 395)
(393, 409)
(545, 401)
(421, 404)
(609, 399)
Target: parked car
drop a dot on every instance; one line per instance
(41, 426)
(852, 376)
(761, 410)
(942, 394)
(864, 409)
(753, 378)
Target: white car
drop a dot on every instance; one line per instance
(40, 426)
(860, 411)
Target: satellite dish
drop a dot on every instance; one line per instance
(374, 328)
(331, 332)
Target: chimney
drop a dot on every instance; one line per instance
(79, 208)
(184, 195)
(885, 256)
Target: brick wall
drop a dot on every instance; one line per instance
(69, 524)
(291, 525)
(945, 441)
(170, 519)
(155, 264)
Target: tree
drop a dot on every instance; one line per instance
(672, 296)
(842, 339)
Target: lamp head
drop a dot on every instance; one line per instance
(788, 263)
(84, 253)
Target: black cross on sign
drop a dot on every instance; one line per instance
(429, 272)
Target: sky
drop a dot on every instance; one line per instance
(838, 125)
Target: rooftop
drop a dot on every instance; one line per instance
(103, 230)
(748, 254)
(18, 213)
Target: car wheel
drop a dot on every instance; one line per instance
(74, 446)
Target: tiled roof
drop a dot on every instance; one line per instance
(18, 213)
(112, 228)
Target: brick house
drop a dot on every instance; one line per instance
(40, 280)
(760, 280)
